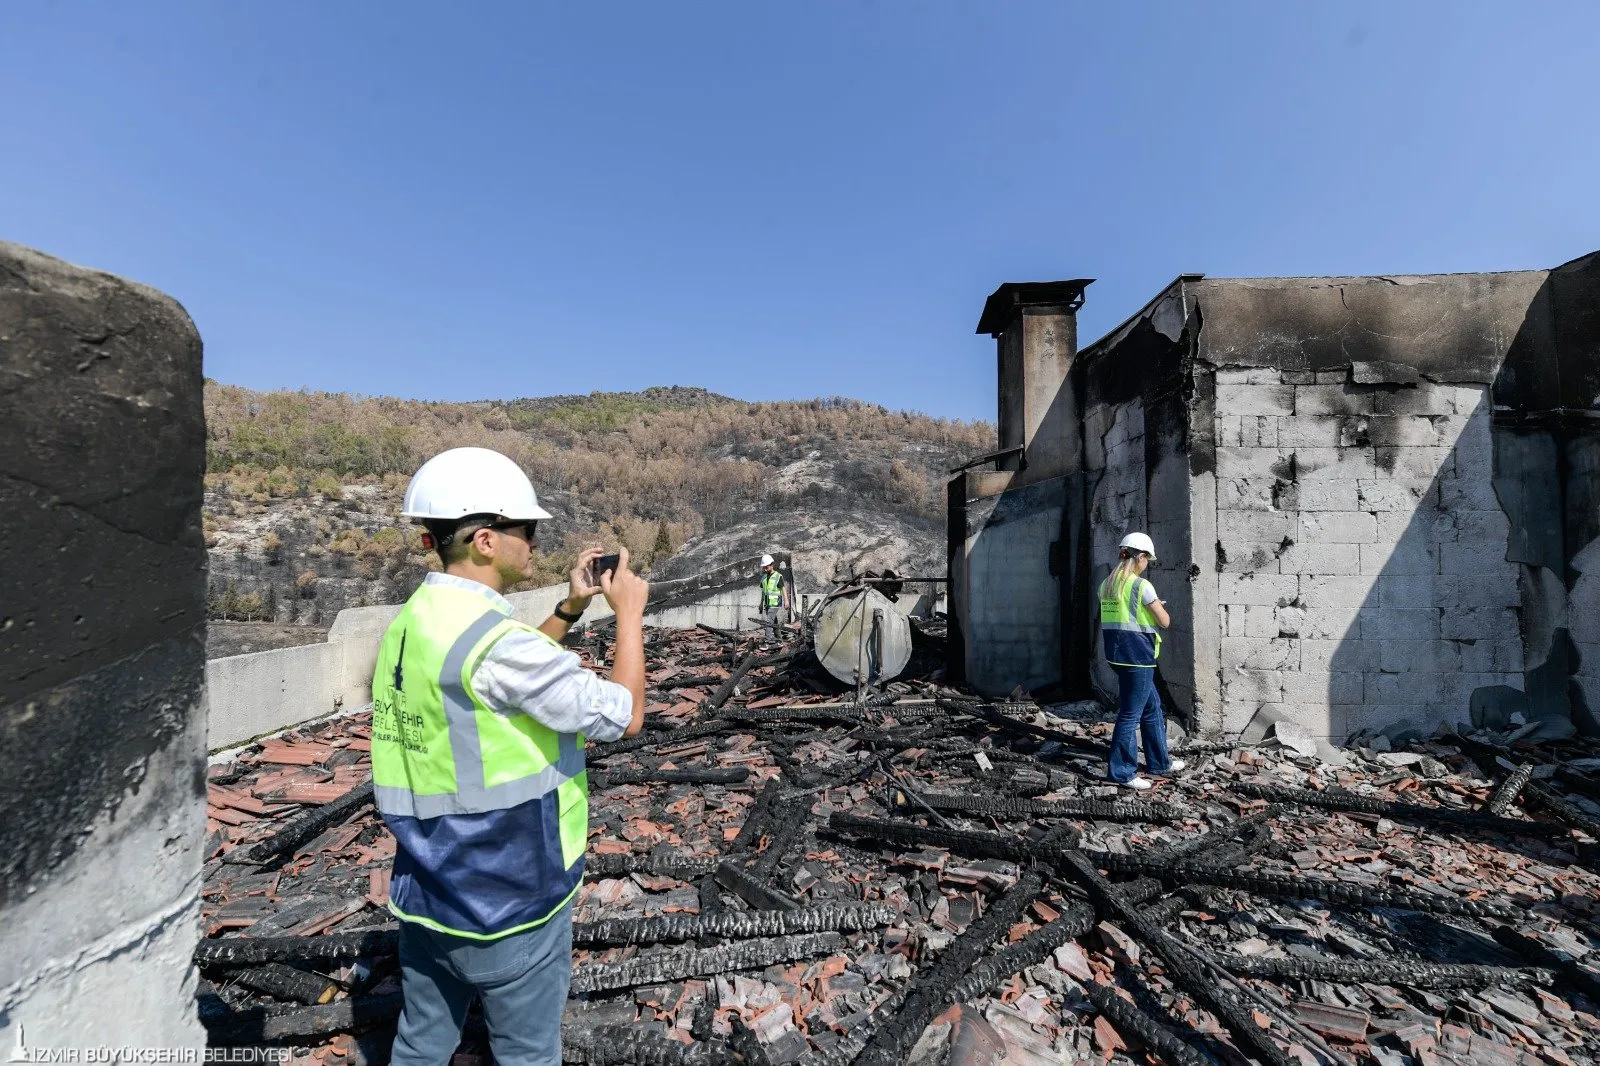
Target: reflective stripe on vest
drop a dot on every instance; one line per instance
(771, 589)
(489, 811)
(1128, 629)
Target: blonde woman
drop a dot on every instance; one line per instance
(1131, 620)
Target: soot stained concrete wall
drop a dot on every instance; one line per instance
(1398, 477)
(102, 725)
(1376, 500)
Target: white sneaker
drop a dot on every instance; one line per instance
(1177, 765)
(1138, 784)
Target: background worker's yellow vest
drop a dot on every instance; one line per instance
(1127, 627)
(490, 812)
(771, 590)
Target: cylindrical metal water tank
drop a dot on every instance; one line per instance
(862, 639)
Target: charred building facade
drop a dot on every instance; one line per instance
(1376, 499)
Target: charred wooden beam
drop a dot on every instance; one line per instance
(754, 661)
(962, 841)
(251, 951)
(1401, 972)
(682, 867)
(1506, 795)
(752, 891)
(259, 1025)
(1220, 836)
(1125, 1017)
(734, 925)
(617, 1045)
(600, 750)
(1290, 886)
(755, 822)
(994, 969)
(308, 825)
(731, 776)
(798, 713)
(1260, 882)
(1548, 799)
(1184, 971)
(1333, 800)
(794, 819)
(287, 983)
(995, 717)
(891, 1043)
(1028, 809)
(676, 964)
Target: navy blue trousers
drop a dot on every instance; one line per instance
(1138, 715)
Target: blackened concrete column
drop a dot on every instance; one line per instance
(102, 718)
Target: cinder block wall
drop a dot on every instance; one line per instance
(1361, 551)
(102, 592)
(1012, 614)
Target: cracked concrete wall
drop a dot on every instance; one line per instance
(102, 724)
(1114, 447)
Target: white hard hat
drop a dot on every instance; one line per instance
(1139, 543)
(766, 560)
(465, 481)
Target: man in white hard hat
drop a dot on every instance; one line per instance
(1131, 620)
(774, 593)
(478, 730)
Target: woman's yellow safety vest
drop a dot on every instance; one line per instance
(1128, 628)
(490, 811)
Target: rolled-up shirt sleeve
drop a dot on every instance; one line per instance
(526, 674)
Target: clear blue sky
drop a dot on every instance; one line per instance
(772, 200)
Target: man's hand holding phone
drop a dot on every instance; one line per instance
(623, 589)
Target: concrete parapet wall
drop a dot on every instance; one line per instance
(264, 692)
(102, 720)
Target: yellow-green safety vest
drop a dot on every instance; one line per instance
(1128, 628)
(771, 590)
(490, 811)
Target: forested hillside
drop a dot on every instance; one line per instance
(303, 488)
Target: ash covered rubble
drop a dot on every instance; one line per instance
(781, 873)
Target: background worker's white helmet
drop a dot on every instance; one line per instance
(466, 481)
(766, 560)
(1140, 543)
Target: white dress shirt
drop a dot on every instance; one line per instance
(525, 673)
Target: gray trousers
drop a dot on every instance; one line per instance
(522, 980)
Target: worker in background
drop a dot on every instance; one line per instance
(774, 594)
(1131, 620)
(478, 730)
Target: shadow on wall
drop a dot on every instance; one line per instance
(1457, 587)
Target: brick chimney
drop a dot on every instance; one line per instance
(1035, 327)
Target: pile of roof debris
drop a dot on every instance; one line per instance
(778, 874)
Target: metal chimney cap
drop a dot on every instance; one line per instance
(1009, 298)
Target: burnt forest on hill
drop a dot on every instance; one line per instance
(303, 489)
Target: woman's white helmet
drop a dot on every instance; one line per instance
(1138, 542)
(466, 481)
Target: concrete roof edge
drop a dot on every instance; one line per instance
(1112, 336)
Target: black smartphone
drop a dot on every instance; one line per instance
(604, 563)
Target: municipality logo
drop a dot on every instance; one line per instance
(20, 1053)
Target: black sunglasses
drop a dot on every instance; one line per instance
(529, 529)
